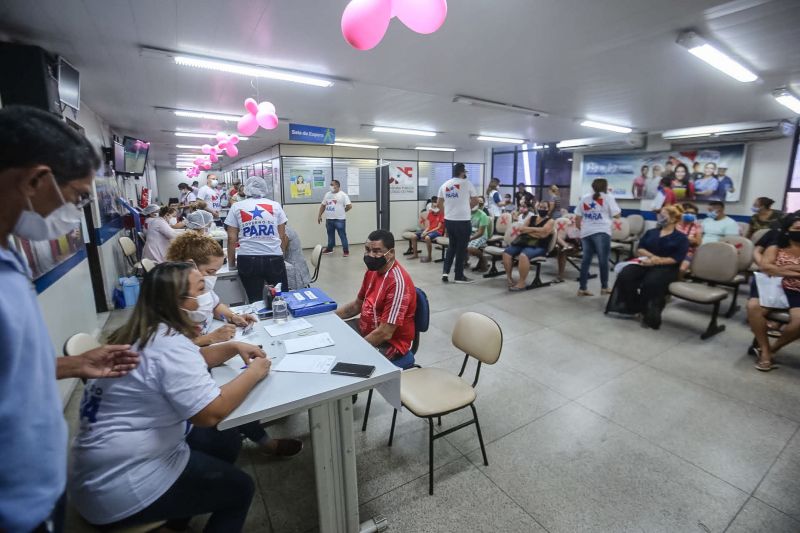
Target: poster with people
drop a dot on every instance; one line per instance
(403, 180)
(301, 180)
(701, 174)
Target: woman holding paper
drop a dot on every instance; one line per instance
(137, 457)
(207, 255)
(784, 261)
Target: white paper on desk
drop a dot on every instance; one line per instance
(242, 336)
(313, 364)
(298, 324)
(312, 342)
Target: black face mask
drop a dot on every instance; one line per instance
(794, 236)
(543, 212)
(375, 263)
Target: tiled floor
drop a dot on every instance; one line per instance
(591, 424)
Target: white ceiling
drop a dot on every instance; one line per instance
(609, 60)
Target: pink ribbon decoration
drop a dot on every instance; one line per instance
(364, 22)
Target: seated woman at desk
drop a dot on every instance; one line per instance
(207, 255)
(137, 457)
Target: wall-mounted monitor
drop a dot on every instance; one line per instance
(119, 157)
(69, 84)
(135, 155)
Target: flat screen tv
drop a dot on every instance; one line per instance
(119, 157)
(69, 84)
(135, 155)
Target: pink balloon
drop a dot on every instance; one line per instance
(364, 22)
(422, 16)
(206, 148)
(233, 139)
(198, 161)
(251, 106)
(266, 107)
(206, 165)
(247, 124)
(268, 121)
(231, 150)
(213, 157)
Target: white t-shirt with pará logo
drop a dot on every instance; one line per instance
(211, 197)
(457, 193)
(258, 220)
(334, 205)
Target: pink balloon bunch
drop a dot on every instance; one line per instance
(364, 22)
(141, 145)
(225, 143)
(262, 114)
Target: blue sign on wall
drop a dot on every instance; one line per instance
(312, 134)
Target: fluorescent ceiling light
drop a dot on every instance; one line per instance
(508, 140)
(202, 135)
(700, 48)
(785, 98)
(403, 131)
(502, 106)
(434, 149)
(251, 71)
(189, 146)
(604, 126)
(356, 145)
(211, 116)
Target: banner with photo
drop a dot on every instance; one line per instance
(703, 174)
(403, 180)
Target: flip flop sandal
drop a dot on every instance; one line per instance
(764, 366)
(774, 333)
(516, 289)
(558, 280)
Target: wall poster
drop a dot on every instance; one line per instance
(403, 180)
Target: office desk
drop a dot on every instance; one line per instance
(327, 398)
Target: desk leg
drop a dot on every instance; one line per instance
(335, 466)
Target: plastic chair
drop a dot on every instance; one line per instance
(434, 392)
(744, 251)
(422, 318)
(148, 264)
(316, 259)
(620, 238)
(129, 252)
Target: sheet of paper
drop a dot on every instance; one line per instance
(423, 182)
(314, 364)
(352, 176)
(297, 324)
(312, 342)
(244, 334)
(353, 190)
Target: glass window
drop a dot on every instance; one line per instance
(527, 171)
(792, 199)
(503, 167)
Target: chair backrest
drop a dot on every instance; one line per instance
(502, 223)
(756, 236)
(142, 236)
(422, 318)
(316, 259)
(744, 250)
(148, 264)
(715, 261)
(512, 232)
(79, 343)
(744, 227)
(128, 246)
(636, 223)
(561, 226)
(478, 336)
(620, 229)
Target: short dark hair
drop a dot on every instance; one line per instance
(195, 182)
(337, 182)
(764, 201)
(666, 181)
(30, 136)
(458, 168)
(183, 186)
(384, 236)
(716, 203)
(434, 198)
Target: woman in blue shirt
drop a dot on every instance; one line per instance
(642, 287)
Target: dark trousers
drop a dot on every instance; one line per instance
(458, 231)
(210, 483)
(643, 290)
(256, 270)
(334, 226)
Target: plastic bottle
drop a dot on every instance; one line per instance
(280, 309)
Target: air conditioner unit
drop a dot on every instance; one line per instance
(739, 132)
(618, 142)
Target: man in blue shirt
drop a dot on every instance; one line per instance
(46, 172)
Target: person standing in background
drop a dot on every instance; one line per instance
(494, 202)
(523, 194)
(209, 194)
(334, 206)
(457, 196)
(593, 216)
(186, 197)
(554, 201)
(195, 187)
(639, 183)
(258, 225)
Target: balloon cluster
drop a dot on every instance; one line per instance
(140, 145)
(364, 22)
(262, 114)
(225, 143)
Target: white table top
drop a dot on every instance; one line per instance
(283, 393)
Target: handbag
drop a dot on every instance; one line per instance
(770, 291)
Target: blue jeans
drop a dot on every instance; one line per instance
(599, 244)
(210, 483)
(333, 226)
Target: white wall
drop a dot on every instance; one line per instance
(168, 180)
(766, 169)
(303, 218)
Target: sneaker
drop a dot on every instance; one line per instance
(346, 254)
(327, 251)
(465, 279)
(445, 278)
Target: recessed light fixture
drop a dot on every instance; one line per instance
(210, 116)
(607, 127)
(489, 138)
(201, 135)
(784, 97)
(434, 149)
(702, 49)
(403, 131)
(189, 146)
(356, 145)
(490, 104)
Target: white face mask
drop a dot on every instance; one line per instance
(333, 189)
(205, 304)
(173, 221)
(34, 227)
(210, 281)
(214, 183)
(196, 315)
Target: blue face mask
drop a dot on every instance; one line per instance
(712, 213)
(689, 217)
(755, 209)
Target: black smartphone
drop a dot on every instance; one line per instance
(352, 369)
(264, 314)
